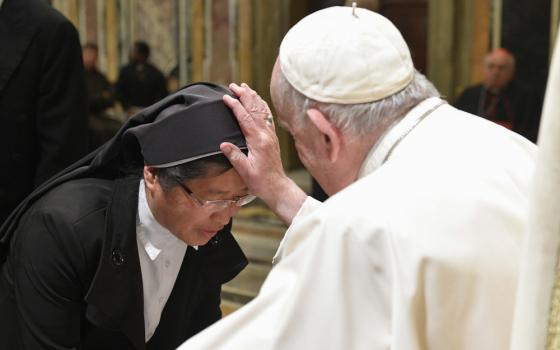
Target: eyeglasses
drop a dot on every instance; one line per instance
(219, 204)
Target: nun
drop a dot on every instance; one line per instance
(128, 247)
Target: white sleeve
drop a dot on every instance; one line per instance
(292, 238)
(331, 292)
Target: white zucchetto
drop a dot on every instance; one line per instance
(344, 55)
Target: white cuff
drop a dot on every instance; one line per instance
(309, 206)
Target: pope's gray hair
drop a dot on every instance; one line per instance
(361, 119)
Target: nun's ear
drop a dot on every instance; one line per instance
(150, 176)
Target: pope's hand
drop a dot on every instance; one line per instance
(262, 168)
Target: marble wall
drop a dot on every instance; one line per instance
(201, 37)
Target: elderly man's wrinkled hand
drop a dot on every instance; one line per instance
(262, 168)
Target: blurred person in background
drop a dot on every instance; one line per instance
(139, 83)
(102, 124)
(500, 98)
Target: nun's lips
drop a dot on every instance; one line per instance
(209, 233)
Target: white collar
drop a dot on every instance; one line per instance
(153, 237)
(384, 146)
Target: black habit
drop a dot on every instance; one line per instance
(71, 276)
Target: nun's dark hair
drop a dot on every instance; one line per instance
(216, 164)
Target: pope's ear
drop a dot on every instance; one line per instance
(331, 137)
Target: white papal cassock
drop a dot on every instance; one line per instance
(421, 252)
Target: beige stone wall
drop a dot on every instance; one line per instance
(115, 24)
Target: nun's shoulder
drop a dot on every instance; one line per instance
(73, 200)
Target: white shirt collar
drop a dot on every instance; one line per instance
(382, 149)
(153, 237)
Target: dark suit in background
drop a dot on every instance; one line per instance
(513, 108)
(42, 98)
(140, 85)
